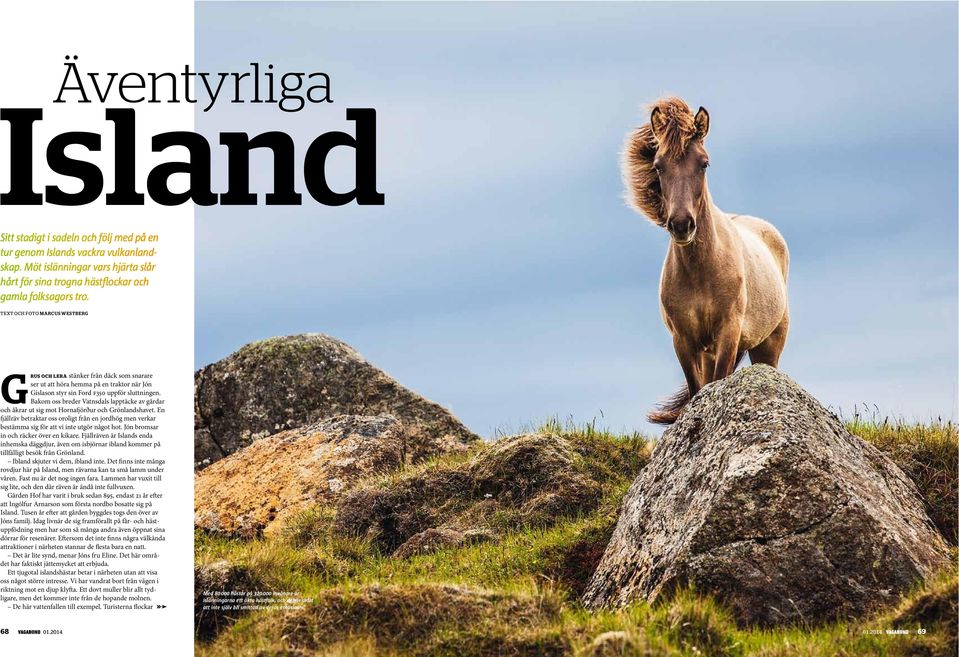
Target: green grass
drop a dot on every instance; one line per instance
(517, 483)
(518, 595)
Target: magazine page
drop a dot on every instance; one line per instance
(96, 300)
(501, 328)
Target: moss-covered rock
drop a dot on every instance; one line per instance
(288, 382)
(760, 496)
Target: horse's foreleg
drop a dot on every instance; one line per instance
(691, 363)
(726, 349)
(669, 410)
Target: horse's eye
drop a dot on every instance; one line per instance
(705, 165)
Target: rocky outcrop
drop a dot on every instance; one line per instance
(260, 487)
(760, 496)
(287, 382)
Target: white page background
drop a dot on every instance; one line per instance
(129, 330)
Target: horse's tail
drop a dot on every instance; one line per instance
(667, 411)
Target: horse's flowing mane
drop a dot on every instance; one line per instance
(642, 183)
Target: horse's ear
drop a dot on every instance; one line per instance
(702, 123)
(657, 122)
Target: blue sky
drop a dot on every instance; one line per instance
(505, 277)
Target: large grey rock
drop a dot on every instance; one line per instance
(760, 496)
(287, 382)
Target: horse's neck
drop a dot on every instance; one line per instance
(708, 249)
(712, 230)
(719, 226)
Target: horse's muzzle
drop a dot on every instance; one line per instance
(682, 229)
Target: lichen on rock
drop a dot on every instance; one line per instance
(760, 496)
(287, 382)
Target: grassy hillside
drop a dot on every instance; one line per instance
(517, 594)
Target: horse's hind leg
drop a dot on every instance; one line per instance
(767, 352)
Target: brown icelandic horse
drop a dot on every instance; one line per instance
(723, 287)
